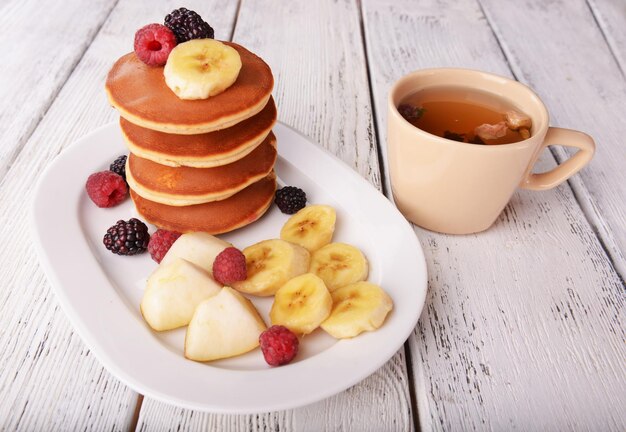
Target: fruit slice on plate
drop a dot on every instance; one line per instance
(270, 264)
(302, 304)
(197, 247)
(338, 265)
(358, 307)
(225, 325)
(172, 293)
(200, 68)
(312, 227)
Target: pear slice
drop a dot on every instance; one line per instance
(225, 325)
(197, 247)
(173, 292)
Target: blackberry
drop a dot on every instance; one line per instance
(290, 199)
(187, 24)
(119, 166)
(127, 238)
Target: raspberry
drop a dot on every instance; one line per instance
(160, 242)
(290, 199)
(127, 238)
(153, 44)
(279, 345)
(187, 24)
(230, 266)
(119, 166)
(106, 189)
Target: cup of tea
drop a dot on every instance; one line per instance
(460, 142)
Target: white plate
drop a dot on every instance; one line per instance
(100, 291)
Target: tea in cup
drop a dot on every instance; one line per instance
(460, 142)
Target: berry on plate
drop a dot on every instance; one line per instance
(119, 166)
(187, 24)
(153, 44)
(279, 345)
(106, 188)
(229, 266)
(161, 242)
(127, 237)
(290, 199)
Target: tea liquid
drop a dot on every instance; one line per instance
(455, 113)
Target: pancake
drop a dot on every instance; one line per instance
(140, 94)
(215, 217)
(204, 150)
(183, 186)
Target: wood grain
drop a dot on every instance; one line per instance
(586, 92)
(49, 380)
(41, 47)
(316, 54)
(371, 405)
(522, 324)
(611, 17)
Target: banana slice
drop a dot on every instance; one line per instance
(338, 265)
(270, 264)
(312, 227)
(201, 68)
(302, 304)
(358, 307)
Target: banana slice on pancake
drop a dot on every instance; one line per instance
(201, 68)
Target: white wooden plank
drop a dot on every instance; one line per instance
(371, 405)
(41, 46)
(579, 80)
(316, 54)
(48, 379)
(522, 328)
(611, 16)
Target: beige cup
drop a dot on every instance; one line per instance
(459, 188)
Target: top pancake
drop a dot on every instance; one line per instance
(140, 94)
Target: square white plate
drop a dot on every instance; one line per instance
(100, 291)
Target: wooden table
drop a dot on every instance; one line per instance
(523, 327)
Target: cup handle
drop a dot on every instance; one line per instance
(556, 176)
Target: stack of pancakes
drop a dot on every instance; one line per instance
(197, 165)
